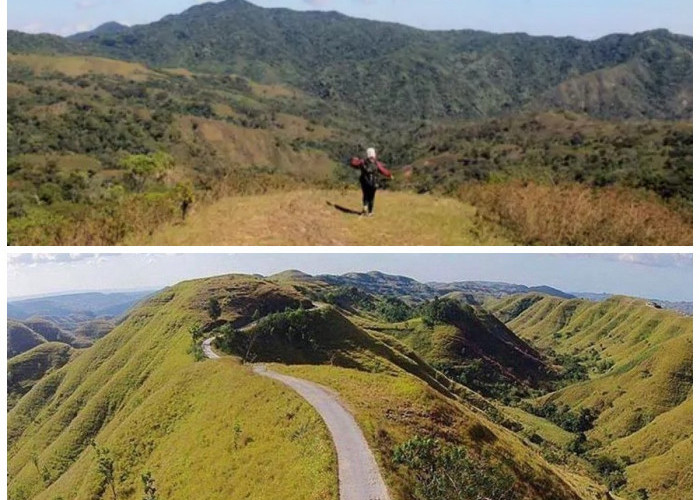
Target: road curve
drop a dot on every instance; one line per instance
(358, 473)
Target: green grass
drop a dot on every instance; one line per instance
(213, 429)
(138, 393)
(639, 359)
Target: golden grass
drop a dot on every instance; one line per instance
(392, 406)
(577, 215)
(140, 394)
(82, 65)
(306, 218)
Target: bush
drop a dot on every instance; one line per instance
(577, 215)
(448, 472)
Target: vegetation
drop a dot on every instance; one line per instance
(426, 74)
(130, 150)
(632, 352)
(448, 472)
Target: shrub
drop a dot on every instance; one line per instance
(448, 472)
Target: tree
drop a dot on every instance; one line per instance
(140, 168)
(105, 467)
(184, 194)
(149, 487)
(214, 309)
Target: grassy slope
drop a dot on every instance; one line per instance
(26, 369)
(305, 218)
(139, 393)
(392, 407)
(21, 338)
(644, 395)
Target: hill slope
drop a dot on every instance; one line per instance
(639, 359)
(141, 396)
(431, 74)
(27, 369)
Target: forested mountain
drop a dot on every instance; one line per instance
(402, 73)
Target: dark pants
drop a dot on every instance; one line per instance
(368, 193)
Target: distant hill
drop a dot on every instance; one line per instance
(424, 74)
(684, 307)
(415, 291)
(94, 304)
(105, 29)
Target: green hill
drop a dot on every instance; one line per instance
(21, 338)
(428, 73)
(26, 369)
(213, 429)
(639, 360)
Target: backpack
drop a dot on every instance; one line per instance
(370, 173)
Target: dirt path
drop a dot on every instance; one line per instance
(358, 473)
(318, 217)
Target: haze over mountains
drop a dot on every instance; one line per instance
(396, 72)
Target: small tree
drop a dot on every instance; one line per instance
(149, 487)
(184, 195)
(105, 467)
(214, 309)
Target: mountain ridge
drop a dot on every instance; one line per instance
(433, 73)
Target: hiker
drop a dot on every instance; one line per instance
(370, 169)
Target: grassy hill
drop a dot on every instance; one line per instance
(329, 217)
(214, 428)
(104, 150)
(26, 369)
(639, 360)
(21, 338)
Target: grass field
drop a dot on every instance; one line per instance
(309, 217)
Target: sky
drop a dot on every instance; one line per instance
(587, 19)
(657, 276)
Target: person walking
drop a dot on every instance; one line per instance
(370, 170)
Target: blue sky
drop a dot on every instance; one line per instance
(581, 18)
(665, 277)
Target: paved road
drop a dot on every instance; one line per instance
(358, 473)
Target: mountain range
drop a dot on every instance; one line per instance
(402, 73)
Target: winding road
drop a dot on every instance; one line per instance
(358, 473)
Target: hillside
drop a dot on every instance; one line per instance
(151, 407)
(21, 338)
(109, 151)
(432, 74)
(639, 360)
(25, 370)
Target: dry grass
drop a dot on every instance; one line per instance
(308, 217)
(82, 65)
(577, 215)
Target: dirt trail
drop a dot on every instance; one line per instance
(318, 217)
(358, 474)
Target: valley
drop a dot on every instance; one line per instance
(528, 394)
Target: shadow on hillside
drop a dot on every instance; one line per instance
(341, 208)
